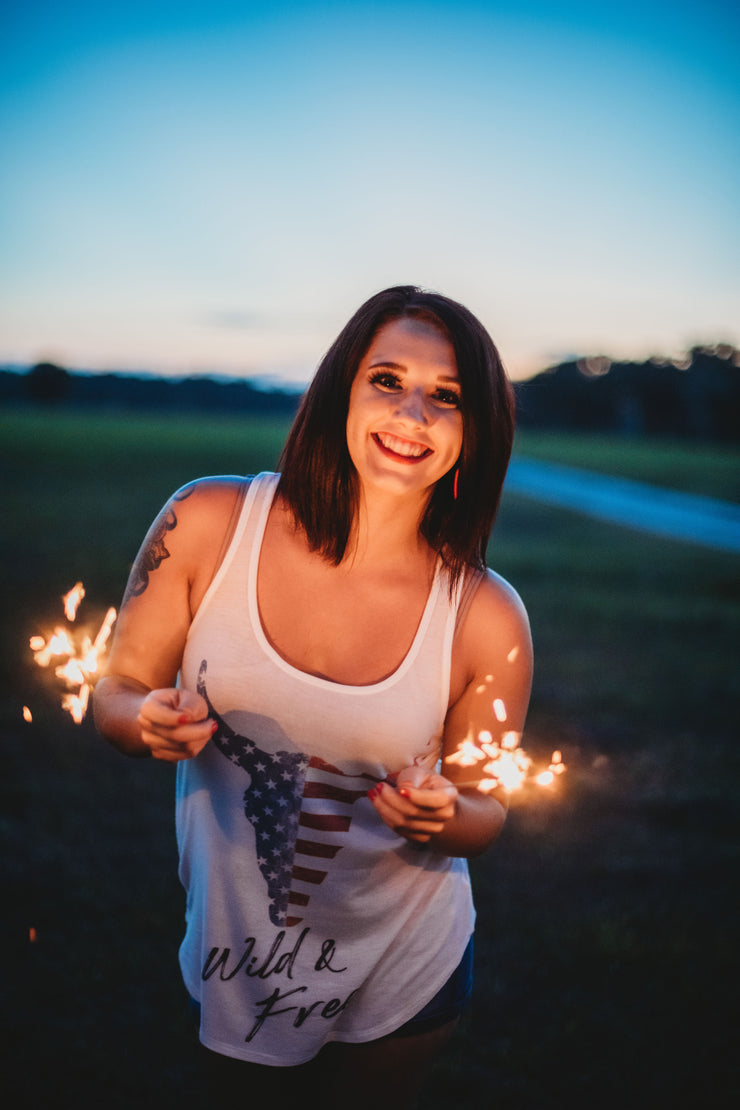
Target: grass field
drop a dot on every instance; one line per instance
(606, 949)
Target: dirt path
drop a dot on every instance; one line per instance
(681, 516)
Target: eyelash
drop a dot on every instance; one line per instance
(387, 380)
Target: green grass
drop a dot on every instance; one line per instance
(606, 953)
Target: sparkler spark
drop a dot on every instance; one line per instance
(78, 662)
(507, 764)
(72, 600)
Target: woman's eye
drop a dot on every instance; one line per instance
(447, 397)
(385, 380)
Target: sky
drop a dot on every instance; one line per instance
(215, 187)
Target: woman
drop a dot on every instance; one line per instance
(337, 639)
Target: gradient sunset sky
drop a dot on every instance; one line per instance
(216, 186)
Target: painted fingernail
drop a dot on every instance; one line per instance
(379, 787)
(403, 792)
(183, 719)
(214, 726)
(372, 794)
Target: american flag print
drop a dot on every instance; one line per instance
(300, 808)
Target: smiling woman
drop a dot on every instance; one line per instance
(312, 649)
(404, 426)
(318, 478)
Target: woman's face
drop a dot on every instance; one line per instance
(404, 424)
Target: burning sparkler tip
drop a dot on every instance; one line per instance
(80, 664)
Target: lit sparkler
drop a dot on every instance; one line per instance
(505, 763)
(78, 658)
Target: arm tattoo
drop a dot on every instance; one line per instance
(155, 552)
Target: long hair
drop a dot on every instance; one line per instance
(318, 480)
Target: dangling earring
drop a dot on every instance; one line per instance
(454, 484)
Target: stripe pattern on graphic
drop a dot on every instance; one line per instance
(300, 808)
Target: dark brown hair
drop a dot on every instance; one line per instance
(318, 479)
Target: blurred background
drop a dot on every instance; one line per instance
(195, 197)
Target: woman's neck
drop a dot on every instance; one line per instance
(387, 532)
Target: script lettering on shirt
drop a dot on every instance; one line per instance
(218, 960)
(225, 963)
(267, 1007)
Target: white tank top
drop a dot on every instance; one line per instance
(307, 919)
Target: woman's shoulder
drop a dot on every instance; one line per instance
(498, 595)
(495, 621)
(204, 502)
(215, 489)
(198, 523)
(200, 513)
(492, 638)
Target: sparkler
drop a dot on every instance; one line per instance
(78, 658)
(507, 764)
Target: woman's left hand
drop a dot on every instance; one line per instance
(418, 806)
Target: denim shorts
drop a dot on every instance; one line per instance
(447, 1004)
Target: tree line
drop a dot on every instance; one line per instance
(697, 396)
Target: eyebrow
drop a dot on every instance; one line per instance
(403, 369)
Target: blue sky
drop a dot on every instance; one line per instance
(193, 187)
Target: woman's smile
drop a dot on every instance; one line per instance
(403, 448)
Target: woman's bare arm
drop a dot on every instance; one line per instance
(447, 810)
(137, 706)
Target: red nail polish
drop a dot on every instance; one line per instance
(379, 787)
(183, 719)
(403, 792)
(214, 726)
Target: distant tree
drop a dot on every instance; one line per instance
(47, 383)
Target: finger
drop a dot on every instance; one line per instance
(412, 776)
(193, 706)
(156, 713)
(404, 817)
(173, 707)
(159, 718)
(187, 740)
(172, 751)
(420, 828)
(439, 798)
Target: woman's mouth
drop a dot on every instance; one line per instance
(401, 448)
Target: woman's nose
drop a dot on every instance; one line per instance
(411, 406)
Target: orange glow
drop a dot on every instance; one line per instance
(59, 644)
(508, 766)
(467, 754)
(79, 662)
(27, 714)
(72, 600)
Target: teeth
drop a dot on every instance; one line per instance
(402, 446)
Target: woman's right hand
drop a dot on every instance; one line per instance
(175, 724)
